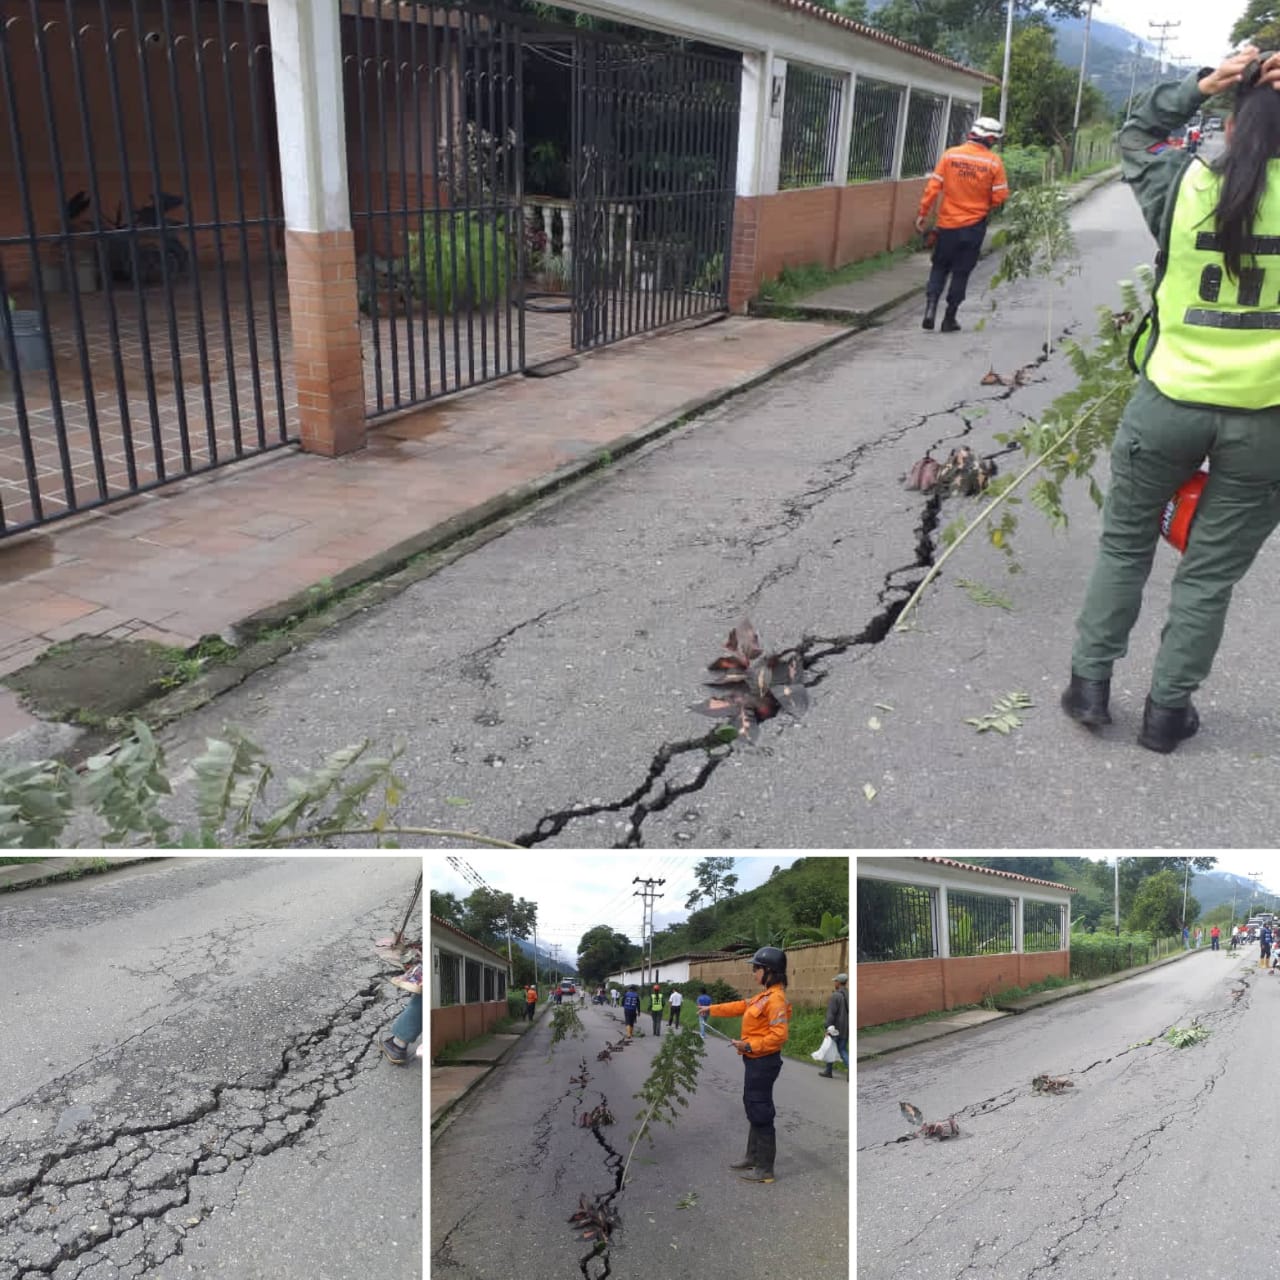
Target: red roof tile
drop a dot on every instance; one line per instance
(882, 37)
(995, 871)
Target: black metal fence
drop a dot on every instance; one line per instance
(655, 137)
(473, 971)
(877, 108)
(810, 127)
(141, 287)
(921, 146)
(960, 122)
(433, 101)
(1041, 926)
(895, 922)
(450, 967)
(978, 924)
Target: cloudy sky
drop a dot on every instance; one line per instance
(1202, 37)
(577, 891)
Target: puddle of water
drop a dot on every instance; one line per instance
(72, 1118)
(26, 557)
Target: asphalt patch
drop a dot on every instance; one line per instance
(93, 676)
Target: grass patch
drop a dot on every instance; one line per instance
(808, 1026)
(1051, 983)
(11, 862)
(186, 664)
(793, 284)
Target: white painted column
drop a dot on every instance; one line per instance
(899, 141)
(306, 58)
(1019, 920)
(844, 130)
(942, 932)
(752, 116)
(771, 151)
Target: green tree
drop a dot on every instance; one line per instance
(1157, 906)
(1259, 24)
(487, 915)
(964, 29)
(715, 881)
(1042, 91)
(855, 9)
(447, 907)
(601, 952)
(829, 928)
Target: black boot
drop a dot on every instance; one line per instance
(930, 311)
(1085, 701)
(1164, 727)
(949, 324)
(749, 1160)
(766, 1148)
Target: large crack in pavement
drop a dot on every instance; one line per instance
(121, 1200)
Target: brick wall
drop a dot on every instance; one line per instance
(463, 1022)
(831, 226)
(895, 989)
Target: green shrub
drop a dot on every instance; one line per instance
(1026, 166)
(458, 261)
(515, 1004)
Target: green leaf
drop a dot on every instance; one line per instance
(984, 595)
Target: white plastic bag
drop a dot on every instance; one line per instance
(826, 1051)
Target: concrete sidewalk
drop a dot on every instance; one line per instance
(28, 875)
(875, 1044)
(452, 1081)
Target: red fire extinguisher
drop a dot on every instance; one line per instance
(1180, 510)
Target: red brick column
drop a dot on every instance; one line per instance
(743, 259)
(325, 317)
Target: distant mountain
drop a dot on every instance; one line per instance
(1214, 888)
(568, 965)
(1119, 61)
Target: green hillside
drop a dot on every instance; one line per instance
(795, 897)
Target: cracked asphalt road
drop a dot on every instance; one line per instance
(190, 1082)
(515, 1155)
(1135, 1173)
(542, 682)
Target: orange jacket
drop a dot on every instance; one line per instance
(971, 180)
(531, 995)
(765, 1020)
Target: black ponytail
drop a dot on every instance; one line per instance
(1255, 139)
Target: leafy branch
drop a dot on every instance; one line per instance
(1003, 716)
(674, 1075)
(1067, 440)
(565, 1022)
(116, 798)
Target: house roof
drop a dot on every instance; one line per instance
(440, 922)
(995, 871)
(881, 37)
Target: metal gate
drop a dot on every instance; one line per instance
(655, 134)
(433, 103)
(139, 249)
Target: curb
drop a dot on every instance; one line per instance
(388, 573)
(1013, 1008)
(33, 875)
(446, 1116)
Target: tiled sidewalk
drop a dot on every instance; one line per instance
(199, 556)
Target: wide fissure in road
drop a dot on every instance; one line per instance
(518, 1142)
(197, 1088)
(1135, 1171)
(542, 683)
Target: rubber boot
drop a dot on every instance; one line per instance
(749, 1160)
(949, 323)
(766, 1149)
(930, 312)
(1086, 701)
(1164, 727)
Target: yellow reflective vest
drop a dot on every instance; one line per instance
(1215, 340)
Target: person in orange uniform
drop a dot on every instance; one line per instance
(971, 181)
(766, 1020)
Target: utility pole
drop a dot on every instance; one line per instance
(1255, 876)
(1004, 75)
(1186, 881)
(1161, 40)
(1117, 895)
(646, 935)
(536, 979)
(555, 962)
(1133, 76)
(1084, 62)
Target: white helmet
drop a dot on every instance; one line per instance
(986, 129)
